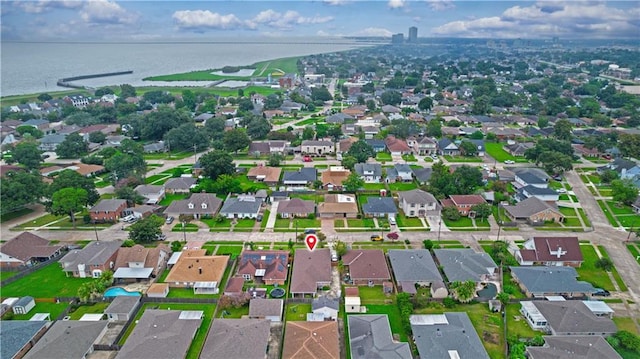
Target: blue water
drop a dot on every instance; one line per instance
(116, 291)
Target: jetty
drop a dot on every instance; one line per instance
(67, 81)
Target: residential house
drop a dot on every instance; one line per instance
(531, 177)
(390, 109)
(582, 151)
(18, 336)
(296, 207)
(224, 336)
(447, 147)
(339, 117)
(379, 207)
(423, 175)
(479, 147)
(447, 335)
(466, 264)
(177, 328)
(397, 146)
(566, 317)
(369, 172)
(266, 174)
(518, 149)
(311, 340)
(50, 142)
(155, 147)
(626, 169)
(152, 193)
(319, 148)
(40, 124)
(550, 251)
(141, 211)
(194, 269)
(302, 177)
(107, 210)
(90, 261)
(179, 185)
(27, 249)
(267, 147)
(140, 263)
(400, 172)
(463, 203)
(24, 305)
(377, 145)
(243, 206)
(413, 268)
(366, 266)
(333, 178)
(268, 267)
(636, 205)
(425, 146)
(270, 309)
(311, 271)
(370, 131)
(544, 194)
(55, 343)
(574, 346)
(370, 337)
(78, 101)
(338, 206)
(234, 287)
(324, 308)
(533, 210)
(357, 112)
(544, 281)
(198, 205)
(122, 308)
(345, 144)
(504, 133)
(418, 203)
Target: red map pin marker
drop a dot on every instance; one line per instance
(311, 240)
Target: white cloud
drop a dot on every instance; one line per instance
(373, 31)
(201, 19)
(396, 4)
(546, 19)
(440, 5)
(286, 21)
(37, 7)
(106, 12)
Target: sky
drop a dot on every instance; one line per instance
(126, 20)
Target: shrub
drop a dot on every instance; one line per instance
(406, 241)
(604, 264)
(449, 302)
(428, 244)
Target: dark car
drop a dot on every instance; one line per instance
(259, 218)
(309, 231)
(599, 292)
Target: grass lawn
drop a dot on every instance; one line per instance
(403, 221)
(488, 325)
(201, 334)
(635, 252)
(567, 211)
(5, 274)
(247, 184)
(15, 214)
(585, 219)
(572, 222)
(588, 271)
(234, 313)
(95, 308)
(225, 224)
(496, 151)
(360, 223)
(607, 213)
(234, 251)
(508, 279)
(189, 227)
(40, 221)
(373, 186)
(617, 210)
(245, 223)
(265, 219)
(297, 312)
(462, 158)
(307, 223)
(338, 223)
(47, 282)
(282, 223)
(157, 179)
(187, 293)
(374, 295)
(614, 272)
(43, 307)
(624, 323)
(383, 156)
(517, 324)
(462, 222)
(402, 186)
(409, 158)
(172, 197)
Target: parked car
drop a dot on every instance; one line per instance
(376, 238)
(169, 220)
(601, 292)
(309, 231)
(307, 159)
(259, 218)
(392, 220)
(509, 162)
(161, 237)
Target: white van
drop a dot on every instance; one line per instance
(392, 221)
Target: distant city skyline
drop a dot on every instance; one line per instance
(109, 20)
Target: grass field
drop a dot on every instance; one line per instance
(54, 309)
(47, 282)
(297, 312)
(496, 151)
(383, 156)
(517, 324)
(38, 222)
(462, 159)
(15, 214)
(635, 251)
(588, 271)
(402, 186)
(81, 310)
(172, 197)
(614, 271)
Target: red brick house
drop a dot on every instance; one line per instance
(463, 202)
(269, 267)
(366, 266)
(108, 210)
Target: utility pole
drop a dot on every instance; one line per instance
(95, 230)
(184, 231)
(499, 220)
(296, 230)
(439, 227)
(631, 230)
(194, 154)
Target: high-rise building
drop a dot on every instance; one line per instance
(397, 38)
(413, 34)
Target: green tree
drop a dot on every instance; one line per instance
(226, 183)
(216, 163)
(258, 128)
(464, 291)
(27, 154)
(481, 105)
(97, 137)
(275, 159)
(146, 230)
(19, 189)
(555, 162)
(215, 128)
(44, 97)
(468, 148)
(30, 130)
(127, 90)
(335, 132)
(371, 105)
(391, 97)
(608, 176)
(73, 146)
(124, 165)
(434, 128)
(477, 135)
(451, 213)
(543, 122)
(129, 194)
(176, 246)
(185, 136)
(341, 248)
(503, 298)
(466, 179)
(562, 130)
(629, 145)
(236, 140)
(482, 210)
(70, 178)
(353, 183)
(320, 94)
(425, 104)
(69, 201)
(272, 102)
(624, 191)
(604, 263)
(361, 151)
(349, 162)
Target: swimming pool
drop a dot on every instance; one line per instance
(116, 291)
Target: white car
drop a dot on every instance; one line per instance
(509, 162)
(392, 221)
(561, 190)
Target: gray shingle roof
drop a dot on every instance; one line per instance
(361, 168)
(240, 205)
(464, 264)
(370, 337)
(259, 307)
(94, 253)
(324, 301)
(573, 347)
(529, 207)
(310, 268)
(413, 265)
(573, 316)
(305, 174)
(537, 191)
(67, 339)
(376, 205)
(180, 183)
(417, 196)
(212, 203)
(436, 340)
(122, 304)
(225, 335)
(109, 205)
(551, 280)
(14, 334)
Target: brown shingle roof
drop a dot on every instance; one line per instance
(545, 245)
(309, 269)
(296, 205)
(396, 145)
(27, 245)
(335, 178)
(198, 269)
(267, 174)
(366, 264)
(311, 340)
(467, 199)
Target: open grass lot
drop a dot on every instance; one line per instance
(15, 214)
(635, 251)
(614, 271)
(588, 271)
(234, 313)
(462, 158)
(624, 323)
(297, 311)
(488, 325)
(157, 179)
(462, 222)
(201, 334)
(47, 282)
(496, 151)
(373, 186)
(383, 156)
(38, 222)
(402, 186)
(43, 307)
(234, 251)
(96, 308)
(360, 223)
(283, 223)
(172, 197)
(517, 324)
